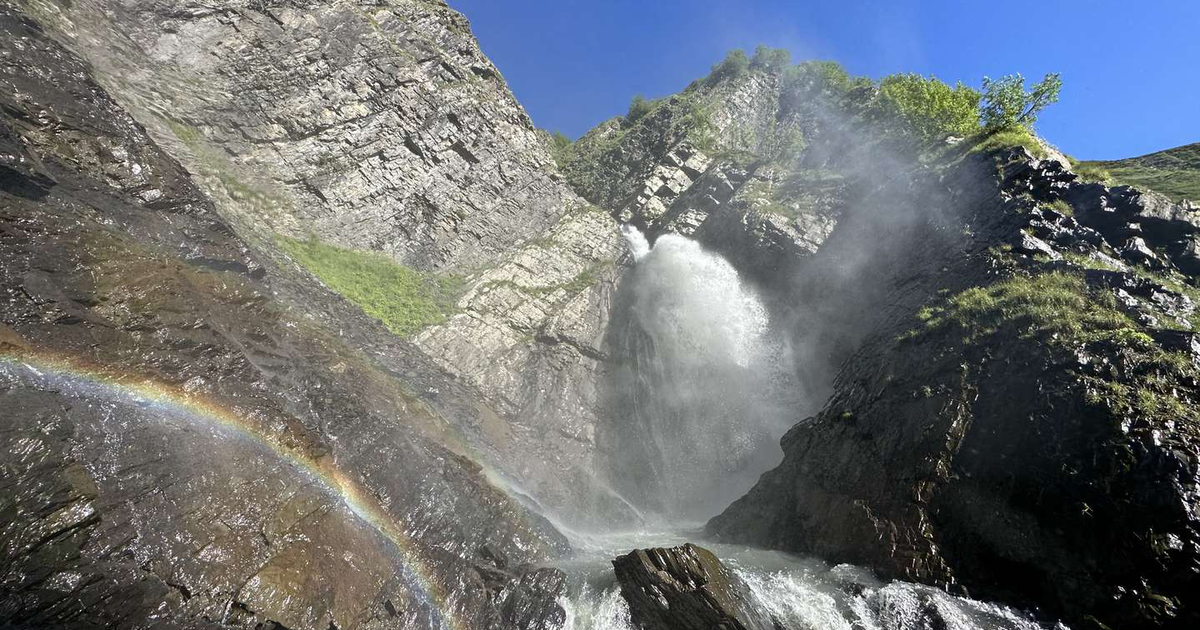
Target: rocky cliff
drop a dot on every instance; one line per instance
(687, 587)
(202, 433)
(1007, 349)
(382, 127)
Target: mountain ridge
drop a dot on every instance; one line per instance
(1172, 172)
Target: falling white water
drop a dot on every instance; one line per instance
(694, 304)
(705, 388)
(638, 245)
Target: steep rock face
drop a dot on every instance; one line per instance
(687, 588)
(376, 126)
(185, 439)
(382, 127)
(530, 335)
(1019, 420)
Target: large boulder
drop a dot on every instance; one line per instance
(685, 588)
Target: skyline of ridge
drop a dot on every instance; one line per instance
(1125, 67)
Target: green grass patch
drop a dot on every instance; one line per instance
(1005, 138)
(1169, 280)
(1091, 172)
(1088, 262)
(1062, 207)
(187, 134)
(1060, 310)
(404, 299)
(1056, 307)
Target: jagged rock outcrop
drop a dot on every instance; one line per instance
(1019, 421)
(687, 588)
(722, 162)
(187, 440)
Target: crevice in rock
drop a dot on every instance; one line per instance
(464, 153)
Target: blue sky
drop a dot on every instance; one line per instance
(1131, 70)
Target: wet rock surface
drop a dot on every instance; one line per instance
(185, 440)
(384, 128)
(687, 588)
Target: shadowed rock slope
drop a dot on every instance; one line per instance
(1020, 419)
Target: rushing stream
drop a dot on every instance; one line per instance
(801, 593)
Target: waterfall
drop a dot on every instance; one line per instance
(703, 388)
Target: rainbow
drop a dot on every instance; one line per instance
(142, 391)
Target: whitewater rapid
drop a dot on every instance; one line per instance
(801, 593)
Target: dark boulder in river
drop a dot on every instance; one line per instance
(685, 588)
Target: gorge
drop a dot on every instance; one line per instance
(307, 326)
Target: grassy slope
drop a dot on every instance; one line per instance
(1174, 172)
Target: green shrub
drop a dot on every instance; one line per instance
(638, 107)
(770, 59)
(736, 64)
(1091, 172)
(817, 77)
(561, 148)
(1006, 104)
(928, 108)
(404, 299)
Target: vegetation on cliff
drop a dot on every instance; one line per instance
(404, 299)
(1063, 311)
(1006, 104)
(1054, 307)
(930, 109)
